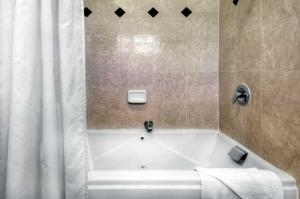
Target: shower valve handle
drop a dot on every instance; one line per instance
(236, 96)
(242, 95)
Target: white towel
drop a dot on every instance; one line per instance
(239, 184)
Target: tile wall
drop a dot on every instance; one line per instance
(260, 46)
(173, 57)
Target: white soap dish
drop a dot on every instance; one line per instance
(137, 96)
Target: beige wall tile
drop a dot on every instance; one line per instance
(230, 121)
(252, 136)
(176, 31)
(294, 168)
(226, 6)
(281, 95)
(280, 141)
(227, 84)
(202, 86)
(249, 15)
(202, 57)
(172, 57)
(228, 25)
(276, 10)
(227, 55)
(172, 8)
(281, 44)
(201, 111)
(200, 6)
(202, 27)
(248, 51)
(170, 114)
(170, 86)
(202, 114)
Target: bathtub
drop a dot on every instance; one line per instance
(131, 164)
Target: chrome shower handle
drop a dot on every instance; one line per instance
(236, 96)
(242, 95)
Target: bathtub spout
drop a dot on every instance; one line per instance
(148, 126)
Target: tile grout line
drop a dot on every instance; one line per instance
(235, 73)
(218, 77)
(186, 76)
(261, 66)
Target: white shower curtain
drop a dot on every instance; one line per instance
(42, 100)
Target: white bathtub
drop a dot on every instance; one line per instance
(138, 165)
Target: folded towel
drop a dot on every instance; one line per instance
(239, 184)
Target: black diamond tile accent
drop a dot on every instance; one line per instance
(120, 12)
(235, 2)
(186, 12)
(87, 12)
(153, 12)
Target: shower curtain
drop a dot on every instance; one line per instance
(42, 99)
